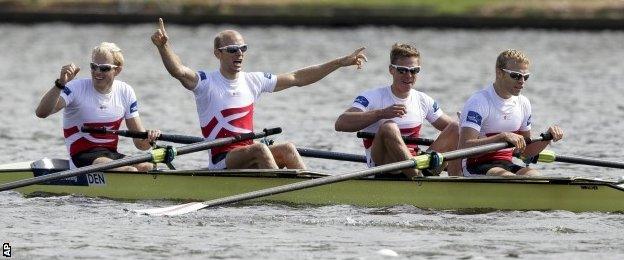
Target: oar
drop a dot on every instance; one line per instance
(180, 139)
(407, 140)
(420, 162)
(187, 139)
(156, 155)
(313, 153)
(548, 156)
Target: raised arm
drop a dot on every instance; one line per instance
(311, 74)
(172, 62)
(52, 102)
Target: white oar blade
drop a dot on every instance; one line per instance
(173, 210)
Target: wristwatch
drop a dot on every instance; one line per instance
(57, 83)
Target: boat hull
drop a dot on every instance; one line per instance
(481, 194)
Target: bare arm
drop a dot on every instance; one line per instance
(172, 62)
(311, 74)
(52, 102)
(469, 137)
(355, 119)
(442, 122)
(135, 124)
(535, 148)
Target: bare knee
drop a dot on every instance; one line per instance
(528, 172)
(101, 160)
(144, 167)
(261, 152)
(388, 128)
(286, 148)
(497, 171)
(286, 155)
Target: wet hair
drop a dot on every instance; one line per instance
(511, 55)
(402, 50)
(109, 47)
(222, 35)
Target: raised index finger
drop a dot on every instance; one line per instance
(161, 24)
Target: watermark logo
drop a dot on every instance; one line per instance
(6, 250)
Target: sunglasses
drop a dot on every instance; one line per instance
(234, 48)
(102, 67)
(517, 75)
(403, 69)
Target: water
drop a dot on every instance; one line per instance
(576, 82)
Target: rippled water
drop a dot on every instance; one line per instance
(576, 82)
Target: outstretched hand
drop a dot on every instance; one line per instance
(356, 58)
(159, 38)
(68, 72)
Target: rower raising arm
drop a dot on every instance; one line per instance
(225, 98)
(172, 62)
(99, 101)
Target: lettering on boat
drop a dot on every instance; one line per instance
(70, 179)
(89, 179)
(589, 187)
(96, 179)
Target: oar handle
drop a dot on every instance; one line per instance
(407, 140)
(181, 139)
(546, 136)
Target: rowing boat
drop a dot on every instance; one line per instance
(447, 193)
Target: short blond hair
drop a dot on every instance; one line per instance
(511, 55)
(220, 37)
(113, 49)
(403, 50)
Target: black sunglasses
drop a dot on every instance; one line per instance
(234, 48)
(517, 75)
(403, 69)
(102, 67)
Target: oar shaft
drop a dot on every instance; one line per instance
(588, 161)
(307, 152)
(181, 139)
(407, 140)
(187, 139)
(311, 183)
(137, 159)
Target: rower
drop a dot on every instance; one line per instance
(500, 113)
(225, 99)
(396, 111)
(99, 101)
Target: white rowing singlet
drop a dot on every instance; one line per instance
(225, 107)
(420, 107)
(85, 106)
